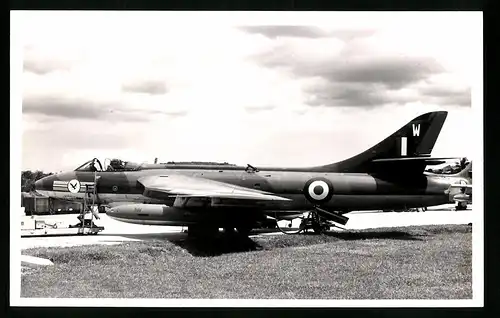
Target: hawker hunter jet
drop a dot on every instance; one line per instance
(389, 175)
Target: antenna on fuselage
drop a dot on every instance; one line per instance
(251, 168)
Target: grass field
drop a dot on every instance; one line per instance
(424, 262)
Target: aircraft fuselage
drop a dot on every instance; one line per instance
(345, 192)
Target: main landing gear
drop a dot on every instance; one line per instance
(460, 206)
(319, 220)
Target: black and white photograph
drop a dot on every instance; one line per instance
(246, 159)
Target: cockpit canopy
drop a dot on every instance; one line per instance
(113, 165)
(120, 165)
(91, 165)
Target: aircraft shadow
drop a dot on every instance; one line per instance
(227, 244)
(369, 235)
(219, 245)
(353, 234)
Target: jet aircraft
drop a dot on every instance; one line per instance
(389, 175)
(460, 185)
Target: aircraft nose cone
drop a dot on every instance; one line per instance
(44, 184)
(39, 185)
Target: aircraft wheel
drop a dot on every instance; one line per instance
(317, 230)
(318, 227)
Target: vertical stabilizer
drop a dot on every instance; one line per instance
(412, 142)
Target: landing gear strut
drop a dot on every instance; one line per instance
(315, 222)
(319, 220)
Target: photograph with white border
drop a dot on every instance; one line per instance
(272, 93)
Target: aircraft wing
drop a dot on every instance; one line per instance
(191, 187)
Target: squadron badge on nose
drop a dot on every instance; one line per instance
(74, 186)
(318, 190)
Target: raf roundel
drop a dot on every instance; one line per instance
(318, 190)
(74, 186)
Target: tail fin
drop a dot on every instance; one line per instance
(410, 146)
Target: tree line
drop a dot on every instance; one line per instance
(28, 179)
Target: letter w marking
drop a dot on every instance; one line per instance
(416, 130)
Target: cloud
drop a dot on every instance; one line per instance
(390, 71)
(42, 67)
(277, 31)
(323, 92)
(349, 35)
(80, 108)
(357, 81)
(350, 74)
(62, 107)
(299, 31)
(347, 95)
(43, 61)
(259, 108)
(148, 87)
(447, 95)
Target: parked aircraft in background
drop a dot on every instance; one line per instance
(461, 185)
(389, 175)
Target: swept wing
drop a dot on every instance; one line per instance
(181, 186)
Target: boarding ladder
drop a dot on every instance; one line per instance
(89, 200)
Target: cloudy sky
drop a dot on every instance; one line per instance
(265, 89)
